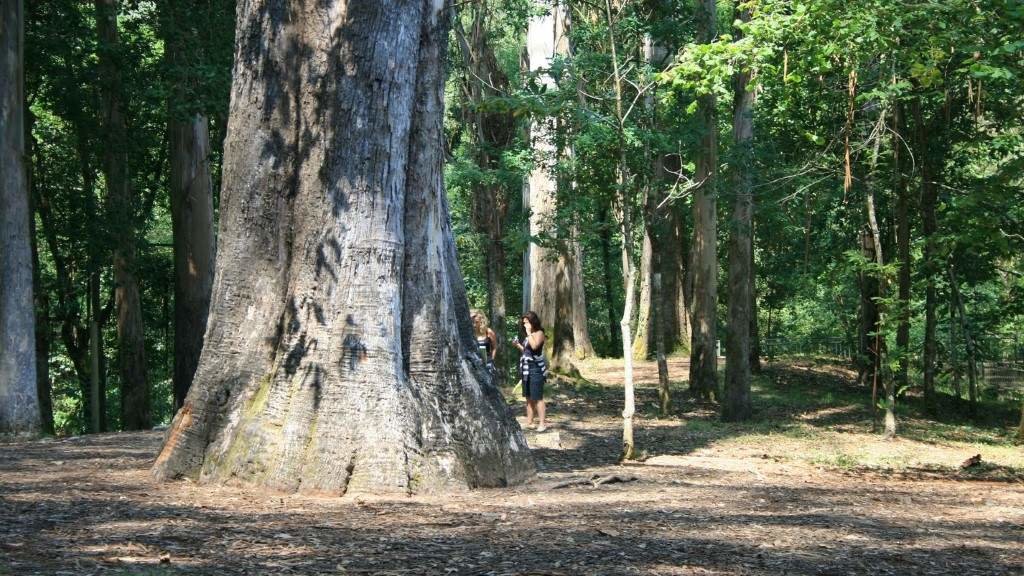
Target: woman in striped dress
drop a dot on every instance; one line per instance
(533, 368)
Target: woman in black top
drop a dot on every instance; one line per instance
(533, 368)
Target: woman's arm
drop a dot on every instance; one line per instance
(494, 342)
(537, 340)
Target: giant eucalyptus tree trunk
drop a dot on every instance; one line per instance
(704, 259)
(19, 402)
(135, 409)
(339, 355)
(736, 404)
(555, 276)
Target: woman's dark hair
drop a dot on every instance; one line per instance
(534, 320)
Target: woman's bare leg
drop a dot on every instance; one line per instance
(540, 413)
(529, 412)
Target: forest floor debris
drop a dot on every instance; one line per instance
(707, 499)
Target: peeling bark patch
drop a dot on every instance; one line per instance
(182, 422)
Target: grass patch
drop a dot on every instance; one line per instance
(812, 410)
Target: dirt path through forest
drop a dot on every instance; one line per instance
(88, 506)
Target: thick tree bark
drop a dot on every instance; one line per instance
(339, 355)
(19, 401)
(191, 195)
(135, 409)
(554, 269)
(736, 404)
(704, 259)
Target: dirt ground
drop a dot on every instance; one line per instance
(87, 505)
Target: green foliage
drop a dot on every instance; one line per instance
(951, 69)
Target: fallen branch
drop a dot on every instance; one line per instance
(594, 481)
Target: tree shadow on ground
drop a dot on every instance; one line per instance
(795, 530)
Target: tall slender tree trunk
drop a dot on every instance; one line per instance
(191, 191)
(736, 404)
(19, 400)
(554, 269)
(41, 296)
(583, 347)
(868, 319)
(339, 354)
(191, 195)
(903, 252)
(664, 392)
(643, 339)
(629, 269)
(704, 250)
(89, 346)
(660, 252)
(880, 374)
(965, 327)
(929, 227)
(1020, 428)
(609, 295)
(954, 362)
(135, 409)
(675, 265)
(755, 333)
